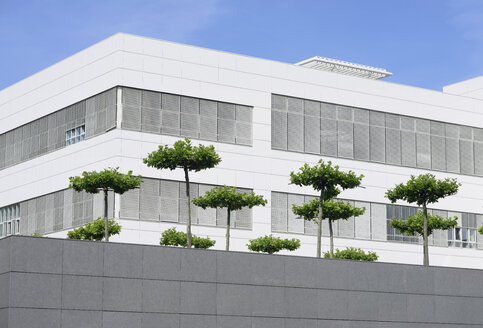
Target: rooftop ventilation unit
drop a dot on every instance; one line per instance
(343, 67)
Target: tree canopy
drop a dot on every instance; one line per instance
(328, 180)
(108, 179)
(423, 189)
(94, 230)
(187, 157)
(415, 224)
(332, 210)
(232, 200)
(172, 237)
(352, 253)
(229, 197)
(183, 155)
(270, 244)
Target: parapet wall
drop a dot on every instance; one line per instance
(49, 283)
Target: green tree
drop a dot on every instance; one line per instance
(328, 180)
(415, 224)
(229, 198)
(480, 230)
(172, 237)
(270, 244)
(108, 179)
(187, 157)
(423, 190)
(95, 230)
(331, 210)
(352, 253)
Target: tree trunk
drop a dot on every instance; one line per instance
(425, 236)
(319, 228)
(331, 237)
(106, 220)
(228, 223)
(188, 204)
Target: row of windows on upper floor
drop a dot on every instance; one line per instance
(165, 201)
(374, 223)
(332, 130)
(145, 111)
(297, 125)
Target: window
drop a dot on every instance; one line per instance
(75, 135)
(10, 220)
(465, 235)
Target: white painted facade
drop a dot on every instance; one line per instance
(144, 63)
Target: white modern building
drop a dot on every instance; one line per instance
(113, 103)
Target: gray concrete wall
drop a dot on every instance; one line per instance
(53, 283)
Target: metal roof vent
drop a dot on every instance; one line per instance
(343, 67)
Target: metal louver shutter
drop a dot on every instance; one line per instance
(190, 125)
(361, 141)
(361, 116)
(328, 111)
(344, 113)
(378, 222)
(226, 111)
(295, 128)
(149, 200)
(170, 122)
(328, 137)
(466, 157)
(58, 210)
(377, 119)
(98, 205)
(226, 130)
(295, 105)
(190, 105)
(208, 120)
(2, 150)
(169, 200)
(346, 228)
(423, 150)
(423, 126)
(131, 97)
(78, 209)
(478, 150)
(24, 210)
(345, 142)
(90, 119)
(221, 217)
(377, 138)
(311, 227)
(207, 216)
(408, 148)
(49, 213)
(32, 210)
(393, 146)
(243, 218)
(452, 155)
(52, 132)
(151, 112)
(279, 102)
(130, 204)
(243, 133)
(466, 132)
(279, 211)
(294, 222)
(88, 208)
(40, 215)
(438, 153)
(407, 123)
(101, 120)
(393, 121)
(279, 130)
(363, 222)
(312, 127)
(68, 200)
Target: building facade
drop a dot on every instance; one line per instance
(113, 103)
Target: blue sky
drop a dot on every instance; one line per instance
(425, 43)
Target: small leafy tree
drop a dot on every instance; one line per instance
(95, 230)
(331, 210)
(172, 237)
(423, 190)
(326, 179)
(108, 179)
(187, 157)
(480, 230)
(415, 224)
(270, 244)
(352, 253)
(229, 198)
